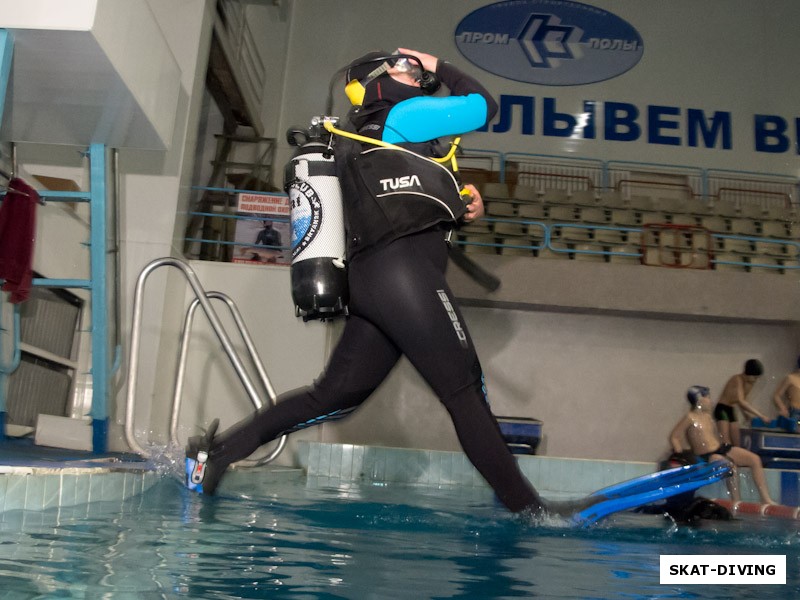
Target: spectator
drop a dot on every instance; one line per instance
(735, 393)
(787, 395)
(699, 429)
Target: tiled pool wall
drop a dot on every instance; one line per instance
(40, 489)
(552, 476)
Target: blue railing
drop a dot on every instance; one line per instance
(542, 235)
(553, 239)
(704, 183)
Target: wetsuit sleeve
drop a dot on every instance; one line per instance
(425, 118)
(461, 84)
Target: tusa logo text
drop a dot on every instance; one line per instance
(397, 183)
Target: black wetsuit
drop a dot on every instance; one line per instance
(400, 304)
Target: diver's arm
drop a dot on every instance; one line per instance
(468, 107)
(458, 82)
(461, 84)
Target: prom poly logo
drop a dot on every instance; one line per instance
(549, 42)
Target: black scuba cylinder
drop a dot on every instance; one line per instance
(318, 271)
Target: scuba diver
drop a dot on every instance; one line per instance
(399, 300)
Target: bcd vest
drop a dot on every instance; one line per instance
(390, 192)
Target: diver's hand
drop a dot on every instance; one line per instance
(475, 208)
(428, 61)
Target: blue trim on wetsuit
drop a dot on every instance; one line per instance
(426, 118)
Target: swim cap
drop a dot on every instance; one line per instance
(694, 393)
(754, 368)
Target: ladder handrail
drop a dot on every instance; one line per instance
(136, 327)
(254, 358)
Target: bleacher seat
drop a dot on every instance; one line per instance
(560, 213)
(743, 226)
(480, 244)
(763, 263)
(612, 199)
(548, 253)
(776, 248)
(572, 233)
(509, 228)
(752, 211)
(624, 253)
(479, 226)
(537, 234)
(532, 211)
(496, 208)
(593, 214)
(652, 217)
(683, 219)
(589, 252)
(721, 258)
(525, 193)
(555, 197)
(671, 205)
(776, 229)
(725, 208)
(739, 246)
(714, 223)
(609, 237)
(699, 207)
(516, 251)
(643, 203)
(623, 218)
(781, 213)
(584, 198)
(495, 190)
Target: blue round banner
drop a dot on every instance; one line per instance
(549, 42)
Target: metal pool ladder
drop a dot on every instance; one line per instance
(202, 299)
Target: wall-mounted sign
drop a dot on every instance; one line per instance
(549, 42)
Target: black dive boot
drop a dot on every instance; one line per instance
(201, 476)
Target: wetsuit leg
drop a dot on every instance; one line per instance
(402, 290)
(360, 362)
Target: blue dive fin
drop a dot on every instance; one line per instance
(650, 488)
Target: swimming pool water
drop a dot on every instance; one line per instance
(295, 538)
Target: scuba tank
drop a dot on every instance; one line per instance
(318, 271)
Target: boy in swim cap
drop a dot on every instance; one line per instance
(735, 393)
(699, 429)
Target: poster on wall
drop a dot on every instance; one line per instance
(262, 232)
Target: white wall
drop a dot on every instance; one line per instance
(153, 199)
(605, 386)
(717, 55)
